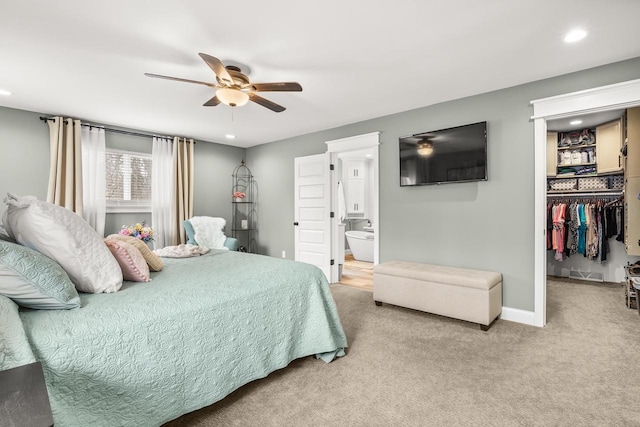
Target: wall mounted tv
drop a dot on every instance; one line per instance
(456, 154)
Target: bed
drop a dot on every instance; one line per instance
(200, 329)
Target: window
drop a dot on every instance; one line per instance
(128, 181)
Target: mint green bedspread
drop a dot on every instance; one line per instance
(200, 329)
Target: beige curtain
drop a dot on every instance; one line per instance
(183, 202)
(65, 168)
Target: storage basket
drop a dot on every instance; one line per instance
(562, 184)
(617, 182)
(593, 183)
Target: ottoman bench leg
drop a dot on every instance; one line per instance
(378, 303)
(486, 327)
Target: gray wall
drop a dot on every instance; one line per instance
(214, 164)
(486, 225)
(24, 154)
(24, 166)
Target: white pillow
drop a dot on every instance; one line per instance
(66, 238)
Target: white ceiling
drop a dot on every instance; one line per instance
(356, 60)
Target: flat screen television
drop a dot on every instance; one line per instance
(457, 154)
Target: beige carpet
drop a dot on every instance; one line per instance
(406, 368)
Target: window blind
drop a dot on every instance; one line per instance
(128, 181)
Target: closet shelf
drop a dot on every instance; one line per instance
(575, 147)
(562, 165)
(574, 175)
(586, 193)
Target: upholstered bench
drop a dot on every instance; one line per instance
(471, 295)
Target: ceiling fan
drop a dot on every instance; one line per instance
(234, 88)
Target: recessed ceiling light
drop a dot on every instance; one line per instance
(575, 35)
(229, 136)
(4, 92)
(368, 155)
(575, 122)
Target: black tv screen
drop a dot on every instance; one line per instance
(456, 154)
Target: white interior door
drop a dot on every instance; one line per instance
(312, 217)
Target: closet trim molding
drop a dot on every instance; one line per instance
(604, 98)
(517, 315)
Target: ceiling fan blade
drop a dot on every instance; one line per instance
(217, 67)
(277, 87)
(266, 103)
(158, 76)
(212, 102)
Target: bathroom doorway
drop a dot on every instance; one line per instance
(355, 235)
(356, 195)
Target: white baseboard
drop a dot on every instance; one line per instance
(518, 316)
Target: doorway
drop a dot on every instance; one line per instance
(356, 237)
(355, 202)
(606, 98)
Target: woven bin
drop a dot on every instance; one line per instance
(593, 183)
(617, 182)
(562, 184)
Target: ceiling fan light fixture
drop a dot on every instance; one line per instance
(232, 97)
(425, 148)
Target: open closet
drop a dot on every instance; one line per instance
(591, 218)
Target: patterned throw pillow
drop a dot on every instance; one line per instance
(131, 261)
(66, 238)
(33, 280)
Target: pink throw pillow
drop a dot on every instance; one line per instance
(132, 263)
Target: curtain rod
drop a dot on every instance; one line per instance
(120, 131)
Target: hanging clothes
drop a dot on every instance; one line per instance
(592, 231)
(559, 230)
(574, 223)
(620, 217)
(583, 227)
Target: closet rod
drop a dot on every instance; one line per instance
(123, 132)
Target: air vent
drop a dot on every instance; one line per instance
(591, 276)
